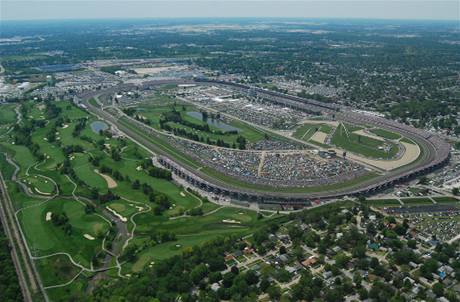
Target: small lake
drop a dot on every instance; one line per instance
(216, 123)
(97, 126)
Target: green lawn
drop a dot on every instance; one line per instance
(385, 133)
(306, 131)
(45, 238)
(382, 202)
(344, 138)
(39, 184)
(85, 171)
(416, 201)
(7, 114)
(446, 200)
(153, 114)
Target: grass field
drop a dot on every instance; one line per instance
(416, 201)
(306, 131)
(153, 113)
(7, 114)
(344, 138)
(385, 133)
(45, 238)
(446, 200)
(382, 202)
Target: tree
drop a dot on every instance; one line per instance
(283, 250)
(251, 277)
(438, 289)
(274, 292)
(198, 273)
(136, 184)
(456, 191)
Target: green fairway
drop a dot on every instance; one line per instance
(39, 184)
(56, 270)
(7, 114)
(46, 238)
(192, 231)
(85, 171)
(344, 138)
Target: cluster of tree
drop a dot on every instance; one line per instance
(155, 171)
(72, 149)
(162, 236)
(174, 278)
(160, 199)
(198, 211)
(52, 111)
(61, 220)
(174, 116)
(9, 284)
(80, 125)
(104, 198)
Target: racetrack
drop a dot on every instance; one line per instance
(433, 151)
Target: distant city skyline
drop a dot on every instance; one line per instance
(113, 9)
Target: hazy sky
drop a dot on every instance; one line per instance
(83, 9)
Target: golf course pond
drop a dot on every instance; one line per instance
(213, 122)
(97, 126)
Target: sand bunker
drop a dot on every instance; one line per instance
(319, 137)
(65, 126)
(48, 216)
(89, 237)
(110, 182)
(182, 194)
(122, 218)
(231, 221)
(41, 193)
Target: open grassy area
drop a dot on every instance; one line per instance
(46, 238)
(7, 114)
(192, 231)
(344, 138)
(385, 133)
(382, 202)
(154, 112)
(416, 201)
(85, 171)
(306, 131)
(446, 200)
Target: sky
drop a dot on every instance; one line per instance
(113, 9)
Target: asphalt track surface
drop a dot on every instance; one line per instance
(435, 151)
